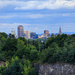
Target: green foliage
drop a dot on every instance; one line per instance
(17, 67)
(2, 42)
(20, 44)
(11, 36)
(34, 55)
(7, 64)
(28, 69)
(20, 48)
(31, 47)
(23, 52)
(24, 40)
(51, 54)
(34, 43)
(1, 69)
(3, 35)
(60, 48)
(13, 60)
(2, 58)
(10, 47)
(60, 39)
(13, 70)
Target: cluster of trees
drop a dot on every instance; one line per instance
(17, 67)
(20, 54)
(59, 48)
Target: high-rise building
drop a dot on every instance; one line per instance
(60, 32)
(20, 31)
(27, 34)
(46, 33)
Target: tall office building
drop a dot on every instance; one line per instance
(60, 32)
(27, 34)
(46, 33)
(20, 31)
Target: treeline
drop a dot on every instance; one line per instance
(59, 48)
(20, 54)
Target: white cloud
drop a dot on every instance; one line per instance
(68, 14)
(50, 4)
(34, 16)
(22, 15)
(12, 25)
(43, 4)
(7, 16)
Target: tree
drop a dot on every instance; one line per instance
(13, 70)
(34, 55)
(49, 55)
(1, 69)
(10, 47)
(2, 58)
(11, 36)
(24, 40)
(3, 34)
(28, 69)
(22, 50)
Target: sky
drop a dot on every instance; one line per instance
(37, 15)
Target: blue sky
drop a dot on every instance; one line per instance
(37, 15)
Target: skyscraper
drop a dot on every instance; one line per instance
(46, 33)
(20, 31)
(60, 31)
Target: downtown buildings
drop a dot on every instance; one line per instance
(32, 35)
(26, 34)
(45, 35)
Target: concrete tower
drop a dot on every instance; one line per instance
(20, 31)
(60, 31)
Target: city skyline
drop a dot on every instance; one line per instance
(37, 15)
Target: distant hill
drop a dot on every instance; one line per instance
(57, 33)
(69, 32)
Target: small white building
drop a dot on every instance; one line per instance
(13, 33)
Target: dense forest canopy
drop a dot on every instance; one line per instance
(20, 54)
